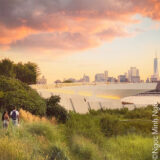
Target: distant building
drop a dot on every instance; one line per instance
(42, 80)
(105, 75)
(155, 73)
(86, 78)
(100, 77)
(147, 80)
(133, 75)
(122, 78)
(155, 76)
(111, 79)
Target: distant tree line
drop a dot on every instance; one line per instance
(27, 72)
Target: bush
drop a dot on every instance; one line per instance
(54, 109)
(86, 125)
(41, 129)
(16, 93)
(84, 149)
(112, 126)
(145, 113)
(57, 154)
(120, 112)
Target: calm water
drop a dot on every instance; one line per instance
(83, 97)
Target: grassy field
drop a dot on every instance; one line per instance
(98, 135)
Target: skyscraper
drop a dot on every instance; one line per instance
(155, 73)
(133, 75)
(105, 75)
(155, 76)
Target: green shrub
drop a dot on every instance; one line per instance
(86, 125)
(140, 113)
(111, 125)
(57, 154)
(54, 109)
(16, 93)
(121, 111)
(129, 147)
(84, 148)
(41, 129)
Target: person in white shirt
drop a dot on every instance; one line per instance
(15, 117)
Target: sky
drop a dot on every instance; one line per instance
(70, 38)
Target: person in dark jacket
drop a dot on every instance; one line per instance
(5, 119)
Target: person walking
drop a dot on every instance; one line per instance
(5, 119)
(15, 117)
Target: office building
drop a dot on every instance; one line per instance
(133, 75)
(111, 79)
(155, 73)
(105, 75)
(155, 76)
(100, 77)
(122, 78)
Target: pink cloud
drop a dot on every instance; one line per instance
(69, 25)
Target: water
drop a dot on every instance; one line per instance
(94, 96)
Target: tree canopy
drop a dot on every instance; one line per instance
(16, 93)
(27, 72)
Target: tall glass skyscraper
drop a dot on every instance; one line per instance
(156, 66)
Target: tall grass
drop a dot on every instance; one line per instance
(81, 138)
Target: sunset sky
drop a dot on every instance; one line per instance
(68, 38)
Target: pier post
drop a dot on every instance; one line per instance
(72, 105)
(89, 106)
(100, 106)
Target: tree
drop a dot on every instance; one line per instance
(7, 68)
(16, 93)
(27, 72)
(56, 110)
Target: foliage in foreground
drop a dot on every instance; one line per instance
(16, 93)
(82, 137)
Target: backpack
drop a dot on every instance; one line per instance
(14, 115)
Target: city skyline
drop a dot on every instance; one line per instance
(131, 75)
(69, 38)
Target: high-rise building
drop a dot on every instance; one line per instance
(155, 76)
(155, 73)
(99, 77)
(105, 75)
(133, 75)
